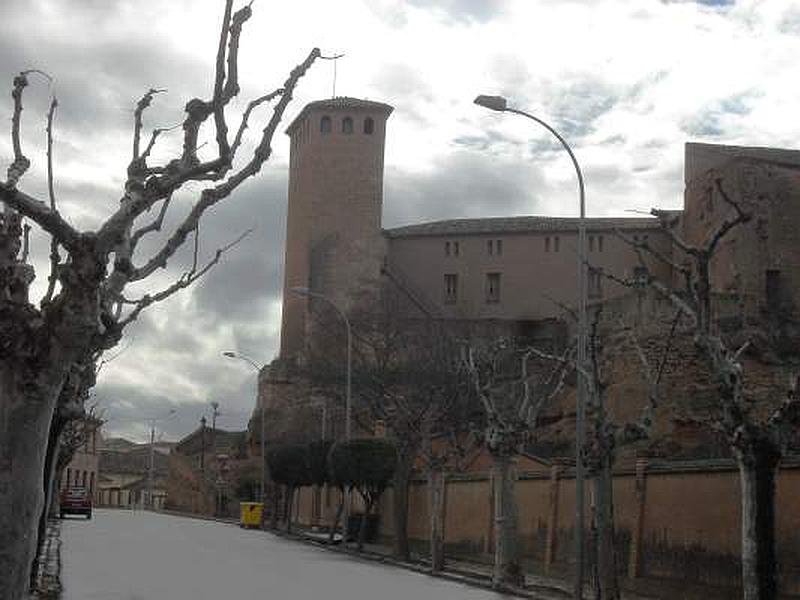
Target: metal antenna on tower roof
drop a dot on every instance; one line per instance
(334, 58)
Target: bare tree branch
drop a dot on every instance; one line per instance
(183, 282)
(243, 125)
(21, 162)
(137, 120)
(55, 258)
(153, 226)
(211, 196)
(37, 211)
(728, 223)
(26, 232)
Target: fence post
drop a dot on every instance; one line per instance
(635, 556)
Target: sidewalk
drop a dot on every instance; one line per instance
(472, 573)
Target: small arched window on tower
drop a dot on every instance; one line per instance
(369, 126)
(325, 124)
(347, 125)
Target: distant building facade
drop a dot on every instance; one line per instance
(82, 470)
(509, 273)
(124, 479)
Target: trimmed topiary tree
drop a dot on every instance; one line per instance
(289, 465)
(318, 461)
(366, 465)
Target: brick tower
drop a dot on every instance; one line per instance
(334, 244)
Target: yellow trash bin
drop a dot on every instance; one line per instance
(250, 514)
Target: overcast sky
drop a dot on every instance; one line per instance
(627, 82)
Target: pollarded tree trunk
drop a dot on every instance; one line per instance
(757, 468)
(507, 569)
(362, 530)
(400, 509)
(436, 487)
(27, 409)
(276, 500)
(50, 470)
(338, 517)
(287, 511)
(605, 551)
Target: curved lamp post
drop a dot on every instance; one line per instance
(500, 104)
(302, 291)
(262, 437)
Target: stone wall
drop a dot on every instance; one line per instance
(674, 520)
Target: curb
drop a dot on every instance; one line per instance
(478, 580)
(177, 513)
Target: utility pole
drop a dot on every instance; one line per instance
(214, 413)
(203, 444)
(151, 466)
(149, 502)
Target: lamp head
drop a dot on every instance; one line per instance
(497, 103)
(229, 354)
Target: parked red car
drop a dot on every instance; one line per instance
(76, 501)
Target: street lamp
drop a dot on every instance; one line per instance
(262, 438)
(500, 104)
(302, 291)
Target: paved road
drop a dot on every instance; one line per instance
(121, 555)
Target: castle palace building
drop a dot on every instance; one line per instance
(509, 272)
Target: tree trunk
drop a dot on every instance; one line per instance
(759, 568)
(50, 470)
(287, 510)
(400, 510)
(276, 500)
(338, 517)
(436, 487)
(507, 569)
(605, 553)
(25, 416)
(362, 530)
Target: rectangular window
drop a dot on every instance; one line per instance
(490, 246)
(447, 248)
(591, 243)
(595, 283)
(547, 244)
(455, 248)
(450, 288)
(499, 245)
(492, 288)
(555, 244)
(599, 243)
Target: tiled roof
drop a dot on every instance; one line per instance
(519, 225)
(338, 103)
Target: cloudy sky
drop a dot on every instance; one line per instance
(627, 82)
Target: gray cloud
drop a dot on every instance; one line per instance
(464, 10)
(464, 184)
(710, 120)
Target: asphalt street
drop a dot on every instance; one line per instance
(123, 555)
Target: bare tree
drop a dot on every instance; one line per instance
(406, 375)
(606, 436)
(85, 308)
(757, 441)
(513, 386)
